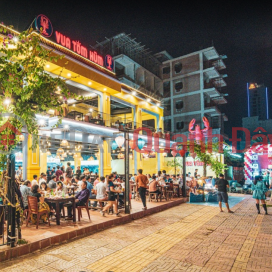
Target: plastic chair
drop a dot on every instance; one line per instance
(33, 209)
(79, 208)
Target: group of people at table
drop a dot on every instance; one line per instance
(87, 187)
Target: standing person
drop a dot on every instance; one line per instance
(63, 171)
(78, 172)
(100, 188)
(259, 189)
(19, 173)
(195, 173)
(49, 174)
(58, 173)
(111, 198)
(69, 172)
(222, 185)
(25, 191)
(53, 170)
(141, 183)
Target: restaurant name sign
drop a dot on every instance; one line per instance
(74, 45)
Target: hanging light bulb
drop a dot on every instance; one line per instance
(64, 143)
(60, 151)
(48, 153)
(64, 155)
(120, 140)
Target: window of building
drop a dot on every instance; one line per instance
(166, 89)
(166, 70)
(178, 86)
(179, 125)
(167, 125)
(179, 105)
(178, 67)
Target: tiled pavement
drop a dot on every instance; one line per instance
(184, 238)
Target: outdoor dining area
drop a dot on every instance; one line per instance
(59, 202)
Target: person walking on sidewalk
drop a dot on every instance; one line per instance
(259, 189)
(222, 185)
(141, 183)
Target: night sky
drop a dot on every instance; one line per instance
(243, 33)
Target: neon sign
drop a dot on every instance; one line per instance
(78, 48)
(43, 25)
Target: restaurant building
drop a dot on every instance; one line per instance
(87, 132)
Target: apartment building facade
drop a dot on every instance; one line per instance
(192, 87)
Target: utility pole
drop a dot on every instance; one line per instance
(127, 185)
(184, 175)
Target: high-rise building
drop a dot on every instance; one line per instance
(257, 97)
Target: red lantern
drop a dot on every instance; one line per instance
(182, 152)
(132, 144)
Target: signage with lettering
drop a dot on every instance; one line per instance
(81, 50)
(45, 28)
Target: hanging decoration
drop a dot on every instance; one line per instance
(48, 153)
(181, 152)
(174, 153)
(132, 144)
(120, 140)
(141, 143)
(64, 143)
(193, 155)
(114, 145)
(60, 151)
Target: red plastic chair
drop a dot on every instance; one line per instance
(33, 209)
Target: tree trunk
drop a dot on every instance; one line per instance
(205, 170)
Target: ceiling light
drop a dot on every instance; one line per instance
(148, 100)
(91, 110)
(158, 104)
(68, 74)
(133, 93)
(105, 89)
(47, 65)
(90, 83)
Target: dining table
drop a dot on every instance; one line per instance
(163, 189)
(71, 189)
(57, 200)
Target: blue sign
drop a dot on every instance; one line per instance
(109, 62)
(43, 25)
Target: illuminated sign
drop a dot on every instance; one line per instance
(43, 25)
(109, 62)
(81, 50)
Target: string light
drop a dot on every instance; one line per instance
(7, 101)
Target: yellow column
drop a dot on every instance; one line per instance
(106, 108)
(106, 159)
(77, 161)
(43, 162)
(33, 160)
